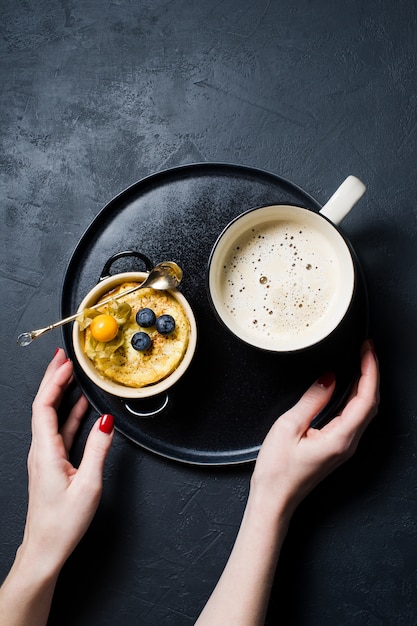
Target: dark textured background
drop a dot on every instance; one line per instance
(95, 96)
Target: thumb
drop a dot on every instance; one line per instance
(310, 403)
(96, 450)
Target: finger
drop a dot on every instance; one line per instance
(72, 423)
(362, 407)
(90, 471)
(366, 346)
(48, 399)
(310, 404)
(58, 359)
(370, 363)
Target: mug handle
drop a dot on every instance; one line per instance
(105, 273)
(150, 413)
(343, 199)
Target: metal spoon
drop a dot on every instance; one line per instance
(165, 275)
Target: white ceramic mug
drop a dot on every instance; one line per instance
(282, 277)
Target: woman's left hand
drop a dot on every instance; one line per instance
(62, 499)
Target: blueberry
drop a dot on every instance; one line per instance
(141, 341)
(165, 324)
(145, 318)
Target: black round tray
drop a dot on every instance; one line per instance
(221, 410)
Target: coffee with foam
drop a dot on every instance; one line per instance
(281, 277)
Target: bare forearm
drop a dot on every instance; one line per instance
(26, 594)
(241, 596)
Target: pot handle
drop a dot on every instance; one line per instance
(151, 412)
(105, 273)
(343, 199)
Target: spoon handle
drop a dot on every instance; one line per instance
(25, 339)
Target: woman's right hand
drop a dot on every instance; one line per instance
(294, 457)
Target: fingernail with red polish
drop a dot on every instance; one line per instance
(56, 352)
(106, 423)
(326, 380)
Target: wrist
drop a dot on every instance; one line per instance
(268, 515)
(35, 566)
(270, 503)
(26, 594)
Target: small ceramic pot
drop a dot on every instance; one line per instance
(108, 283)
